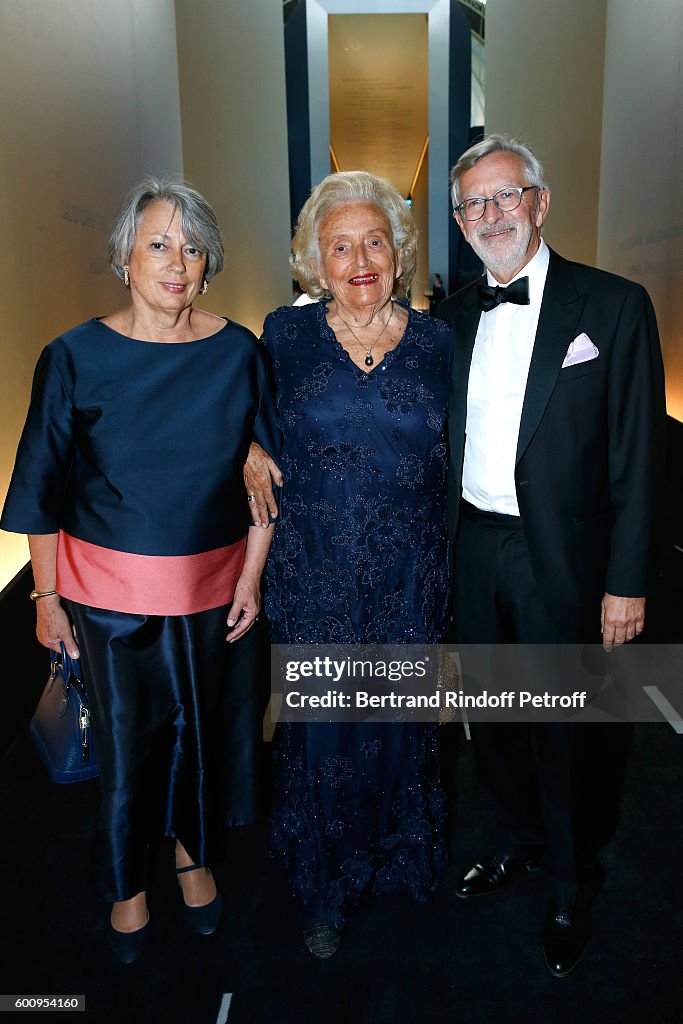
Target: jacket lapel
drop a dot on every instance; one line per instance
(561, 310)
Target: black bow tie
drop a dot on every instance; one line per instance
(517, 292)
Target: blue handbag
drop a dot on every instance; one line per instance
(60, 727)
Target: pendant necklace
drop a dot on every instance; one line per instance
(369, 361)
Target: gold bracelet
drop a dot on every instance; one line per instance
(35, 595)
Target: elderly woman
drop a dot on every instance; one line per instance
(360, 551)
(129, 483)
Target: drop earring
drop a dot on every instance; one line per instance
(126, 277)
(204, 288)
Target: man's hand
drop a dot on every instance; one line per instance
(621, 619)
(260, 473)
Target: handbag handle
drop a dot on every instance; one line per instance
(69, 666)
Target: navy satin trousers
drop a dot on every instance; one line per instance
(177, 722)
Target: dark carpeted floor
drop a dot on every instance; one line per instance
(448, 960)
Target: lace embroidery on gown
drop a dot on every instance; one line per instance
(359, 556)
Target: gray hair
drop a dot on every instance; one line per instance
(533, 168)
(197, 221)
(351, 187)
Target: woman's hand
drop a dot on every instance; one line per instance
(245, 607)
(260, 472)
(53, 626)
(246, 602)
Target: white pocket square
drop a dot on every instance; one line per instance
(580, 351)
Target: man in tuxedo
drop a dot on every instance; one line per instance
(554, 422)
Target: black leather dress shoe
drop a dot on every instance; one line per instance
(566, 936)
(492, 873)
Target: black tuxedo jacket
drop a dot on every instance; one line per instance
(590, 440)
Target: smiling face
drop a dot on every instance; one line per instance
(505, 242)
(358, 265)
(166, 271)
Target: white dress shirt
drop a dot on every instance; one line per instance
(495, 394)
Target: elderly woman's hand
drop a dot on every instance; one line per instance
(53, 627)
(260, 473)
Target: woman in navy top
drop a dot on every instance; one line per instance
(128, 481)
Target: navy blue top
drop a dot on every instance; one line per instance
(138, 446)
(359, 554)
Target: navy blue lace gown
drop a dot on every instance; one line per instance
(359, 555)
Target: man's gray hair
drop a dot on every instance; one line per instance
(533, 168)
(197, 222)
(351, 187)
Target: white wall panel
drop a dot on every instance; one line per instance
(641, 195)
(234, 118)
(544, 69)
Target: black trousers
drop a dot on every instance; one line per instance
(535, 771)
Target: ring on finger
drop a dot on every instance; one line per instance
(251, 497)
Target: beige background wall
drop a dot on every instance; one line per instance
(88, 102)
(641, 199)
(232, 82)
(544, 74)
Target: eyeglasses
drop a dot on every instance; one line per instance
(507, 199)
